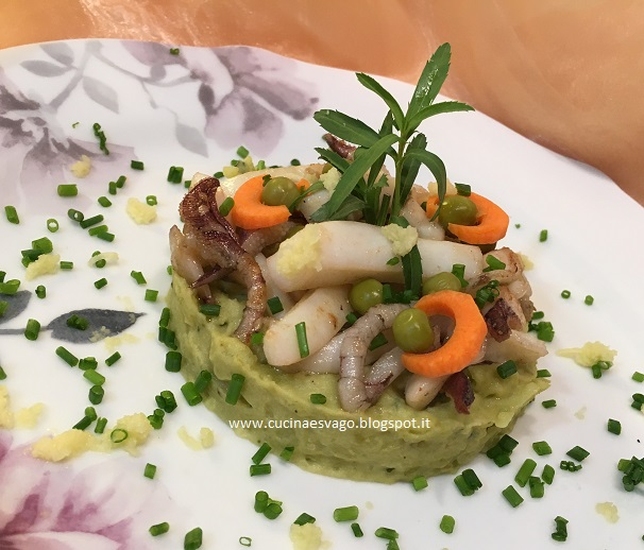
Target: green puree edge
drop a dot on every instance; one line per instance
(443, 441)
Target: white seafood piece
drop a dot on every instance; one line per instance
(323, 311)
(420, 390)
(417, 217)
(313, 202)
(272, 290)
(342, 252)
(523, 347)
(327, 359)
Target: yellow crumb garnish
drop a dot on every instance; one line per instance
(82, 167)
(307, 537)
(45, 264)
(28, 417)
(205, 441)
(527, 262)
(589, 354)
(402, 239)
(138, 430)
(66, 445)
(608, 511)
(330, 179)
(141, 212)
(7, 420)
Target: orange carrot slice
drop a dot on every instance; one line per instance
(463, 345)
(492, 223)
(249, 212)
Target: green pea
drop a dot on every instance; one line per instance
(441, 281)
(457, 209)
(365, 294)
(412, 331)
(280, 191)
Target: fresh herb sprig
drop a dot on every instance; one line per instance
(361, 183)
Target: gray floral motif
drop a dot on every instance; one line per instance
(245, 94)
(49, 506)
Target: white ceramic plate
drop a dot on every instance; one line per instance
(193, 110)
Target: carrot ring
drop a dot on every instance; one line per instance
(492, 223)
(463, 345)
(249, 212)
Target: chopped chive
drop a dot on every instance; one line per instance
(96, 394)
(508, 443)
(32, 330)
(77, 322)
(386, 533)
(459, 271)
(356, 530)
(302, 342)
(471, 479)
(87, 363)
(169, 401)
(569, 466)
(193, 539)
(549, 403)
(94, 377)
(317, 398)
(245, 541)
(261, 501)
(3, 374)
(66, 265)
(566, 294)
(85, 223)
(137, 165)
(542, 448)
(75, 215)
(447, 524)
(419, 483)
(175, 174)
(151, 200)
(275, 305)
(507, 369)
(242, 152)
(346, 513)
(512, 496)
(536, 487)
(9, 287)
(463, 486)
(111, 188)
(287, 453)
(41, 291)
(11, 214)
(226, 206)
(493, 263)
(42, 245)
(543, 235)
(67, 356)
(463, 189)
(589, 300)
(561, 529)
(614, 426)
(104, 201)
(210, 310)
(52, 225)
(639, 397)
(548, 474)
(203, 380)
(105, 236)
(190, 393)
(4, 306)
(638, 376)
(273, 510)
(100, 283)
(525, 471)
(578, 453)
(261, 453)
(260, 469)
(173, 361)
(234, 388)
(295, 162)
(67, 190)
(378, 341)
(174, 51)
(100, 135)
(150, 471)
(101, 424)
(84, 422)
(159, 529)
(118, 435)
(164, 318)
(138, 277)
(151, 295)
(543, 373)
(112, 359)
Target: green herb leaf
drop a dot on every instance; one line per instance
(346, 127)
(413, 121)
(431, 80)
(436, 167)
(372, 84)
